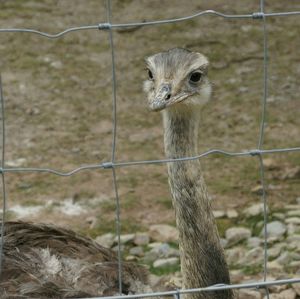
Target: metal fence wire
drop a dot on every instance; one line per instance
(259, 152)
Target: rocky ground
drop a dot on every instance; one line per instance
(244, 248)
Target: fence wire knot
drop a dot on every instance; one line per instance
(104, 26)
(258, 15)
(107, 165)
(255, 152)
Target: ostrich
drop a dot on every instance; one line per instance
(44, 261)
(178, 86)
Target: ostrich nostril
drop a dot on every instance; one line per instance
(168, 97)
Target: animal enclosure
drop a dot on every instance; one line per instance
(116, 160)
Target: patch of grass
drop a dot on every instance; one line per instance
(223, 224)
(255, 224)
(165, 270)
(164, 201)
(252, 270)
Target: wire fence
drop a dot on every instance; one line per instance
(258, 152)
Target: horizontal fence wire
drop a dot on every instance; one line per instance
(258, 152)
(104, 26)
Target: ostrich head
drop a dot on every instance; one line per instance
(177, 78)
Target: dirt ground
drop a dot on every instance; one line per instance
(58, 108)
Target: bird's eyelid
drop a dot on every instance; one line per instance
(203, 69)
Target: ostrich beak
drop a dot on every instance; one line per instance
(164, 98)
(161, 97)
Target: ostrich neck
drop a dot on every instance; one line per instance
(202, 257)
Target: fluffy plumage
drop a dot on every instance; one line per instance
(44, 261)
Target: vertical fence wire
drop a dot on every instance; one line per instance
(261, 141)
(114, 138)
(2, 114)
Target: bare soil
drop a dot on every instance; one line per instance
(58, 107)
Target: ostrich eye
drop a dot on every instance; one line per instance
(150, 75)
(195, 77)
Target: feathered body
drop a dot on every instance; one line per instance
(44, 261)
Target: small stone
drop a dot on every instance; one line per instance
(154, 244)
(137, 251)
(249, 294)
(232, 214)
(218, 213)
(284, 258)
(286, 294)
(293, 213)
(294, 265)
(274, 252)
(160, 263)
(275, 266)
(292, 173)
(296, 287)
(141, 239)
(56, 64)
(279, 216)
(254, 242)
(131, 258)
(292, 229)
(162, 250)
(234, 255)
(236, 234)
(106, 240)
(163, 233)
(253, 257)
(16, 163)
(254, 210)
(275, 229)
(150, 257)
(124, 239)
(293, 238)
(270, 164)
(293, 220)
(298, 200)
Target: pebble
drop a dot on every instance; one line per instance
(249, 294)
(163, 233)
(286, 294)
(274, 252)
(293, 213)
(141, 239)
(275, 266)
(232, 214)
(284, 258)
(236, 234)
(276, 230)
(106, 240)
(234, 255)
(293, 220)
(254, 242)
(166, 262)
(218, 213)
(296, 287)
(253, 257)
(124, 239)
(137, 251)
(254, 210)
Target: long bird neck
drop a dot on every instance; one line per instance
(202, 257)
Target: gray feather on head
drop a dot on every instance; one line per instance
(177, 76)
